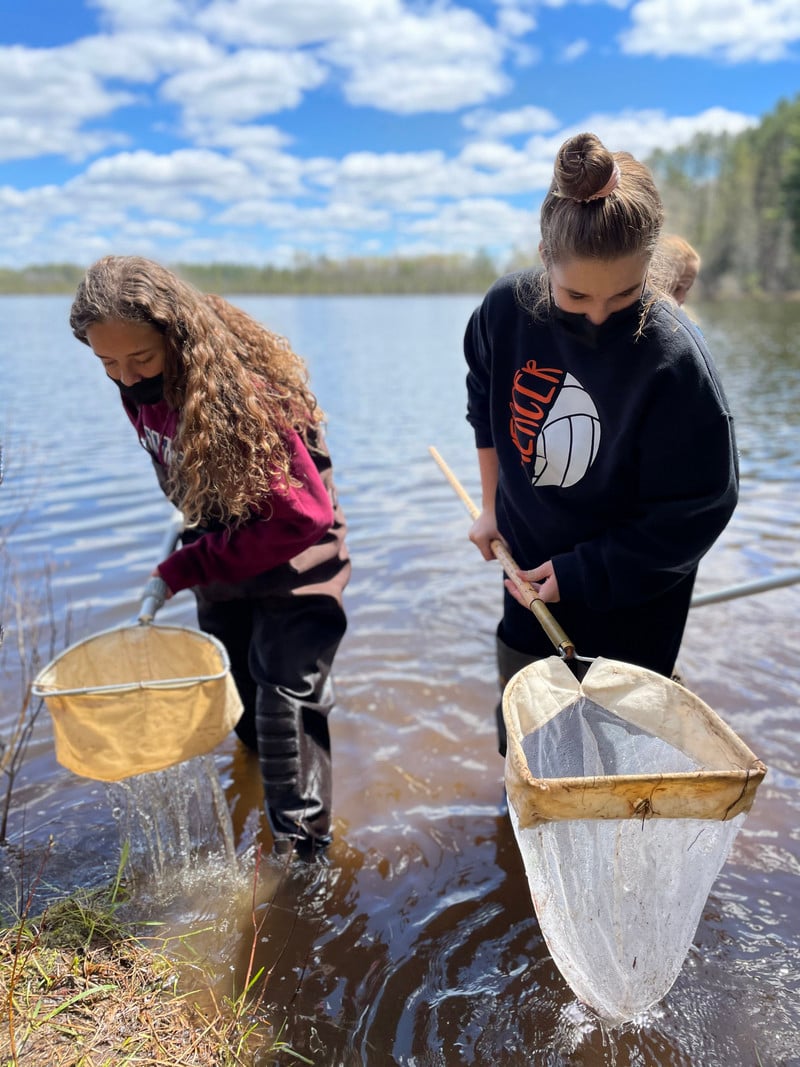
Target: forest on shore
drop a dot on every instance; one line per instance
(735, 198)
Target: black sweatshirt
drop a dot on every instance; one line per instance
(617, 459)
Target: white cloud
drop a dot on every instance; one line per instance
(491, 124)
(262, 149)
(243, 86)
(168, 185)
(440, 61)
(33, 139)
(197, 203)
(50, 94)
(245, 139)
(397, 179)
(417, 182)
(731, 30)
(157, 229)
(336, 215)
(139, 56)
(575, 50)
(122, 14)
(491, 155)
(515, 17)
(278, 23)
(475, 223)
(389, 167)
(619, 4)
(45, 102)
(642, 132)
(193, 81)
(221, 248)
(400, 60)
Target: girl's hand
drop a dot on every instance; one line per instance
(483, 531)
(543, 579)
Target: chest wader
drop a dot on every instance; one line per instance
(509, 661)
(281, 630)
(282, 650)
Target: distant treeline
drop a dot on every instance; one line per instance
(422, 274)
(735, 198)
(48, 278)
(390, 274)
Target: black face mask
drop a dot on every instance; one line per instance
(146, 391)
(579, 326)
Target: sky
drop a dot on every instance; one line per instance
(266, 131)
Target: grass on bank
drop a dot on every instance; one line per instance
(79, 988)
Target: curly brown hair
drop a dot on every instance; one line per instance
(239, 388)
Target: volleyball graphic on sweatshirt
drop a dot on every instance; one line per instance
(568, 441)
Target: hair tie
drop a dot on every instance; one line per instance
(607, 189)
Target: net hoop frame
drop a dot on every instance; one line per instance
(115, 730)
(675, 714)
(41, 689)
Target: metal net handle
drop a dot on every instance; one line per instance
(156, 590)
(153, 597)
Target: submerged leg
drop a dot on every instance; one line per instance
(231, 622)
(509, 661)
(291, 654)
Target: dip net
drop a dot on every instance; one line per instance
(138, 699)
(625, 793)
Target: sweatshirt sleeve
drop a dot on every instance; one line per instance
(477, 351)
(688, 477)
(290, 521)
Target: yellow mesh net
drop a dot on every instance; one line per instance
(138, 699)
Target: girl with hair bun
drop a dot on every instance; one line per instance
(606, 447)
(223, 407)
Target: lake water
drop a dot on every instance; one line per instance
(418, 946)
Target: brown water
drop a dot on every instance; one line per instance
(418, 945)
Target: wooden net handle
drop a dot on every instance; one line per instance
(533, 601)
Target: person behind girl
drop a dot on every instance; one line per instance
(605, 442)
(678, 265)
(224, 409)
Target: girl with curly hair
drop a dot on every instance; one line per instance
(605, 442)
(224, 408)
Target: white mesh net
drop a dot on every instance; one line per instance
(619, 899)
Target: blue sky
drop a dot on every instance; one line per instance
(256, 131)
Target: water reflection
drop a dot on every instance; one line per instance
(419, 944)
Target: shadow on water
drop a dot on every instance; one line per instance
(418, 945)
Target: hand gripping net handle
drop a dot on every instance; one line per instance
(559, 640)
(156, 590)
(155, 593)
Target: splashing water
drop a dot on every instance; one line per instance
(174, 822)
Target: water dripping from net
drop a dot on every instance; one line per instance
(175, 825)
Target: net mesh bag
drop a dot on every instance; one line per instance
(625, 794)
(138, 699)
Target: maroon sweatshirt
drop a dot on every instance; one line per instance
(293, 543)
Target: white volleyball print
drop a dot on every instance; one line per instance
(568, 441)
